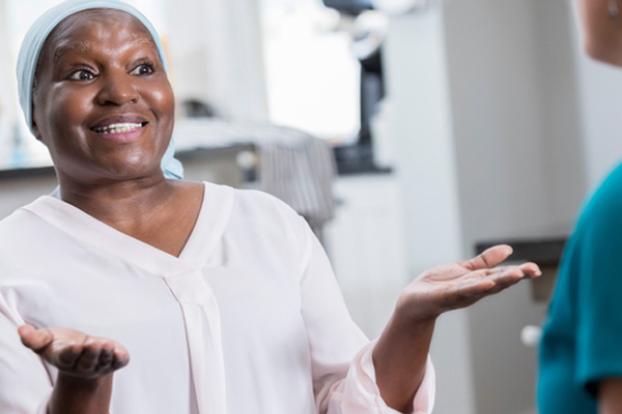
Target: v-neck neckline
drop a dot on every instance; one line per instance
(211, 221)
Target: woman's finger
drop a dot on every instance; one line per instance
(89, 357)
(483, 283)
(501, 274)
(489, 258)
(531, 269)
(35, 339)
(121, 358)
(507, 278)
(105, 358)
(67, 356)
(467, 292)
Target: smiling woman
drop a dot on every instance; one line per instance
(224, 299)
(100, 83)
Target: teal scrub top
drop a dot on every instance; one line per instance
(582, 336)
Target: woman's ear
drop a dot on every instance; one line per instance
(35, 91)
(35, 129)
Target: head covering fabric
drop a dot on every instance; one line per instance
(33, 43)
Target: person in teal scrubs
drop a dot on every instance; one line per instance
(581, 346)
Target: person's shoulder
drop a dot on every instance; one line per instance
(272, 226)
(603, 210)
(10, 224)
(257, 211)
(17, 233)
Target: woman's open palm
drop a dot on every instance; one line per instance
(461, 284)
(75, 353)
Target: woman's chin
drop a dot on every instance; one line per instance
(130, 165)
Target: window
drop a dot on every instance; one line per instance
(311, 73)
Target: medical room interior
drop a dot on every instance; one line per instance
(408, 133)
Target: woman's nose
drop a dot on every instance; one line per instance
(117, 89)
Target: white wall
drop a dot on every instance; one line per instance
(217, 55)
(601, 109)
(497, 133)
(496, 118)
(421, 128)
(601, 98)
(563, 145)
(419, 124)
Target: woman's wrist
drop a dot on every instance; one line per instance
(404, 326)
(81, 395)
(415, 315)
(400, 357)
(82, 384)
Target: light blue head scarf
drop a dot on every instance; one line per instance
(38, 33)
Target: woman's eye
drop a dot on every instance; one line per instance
(143, 69)
(82, 75)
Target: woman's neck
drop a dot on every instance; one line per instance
(126, 205)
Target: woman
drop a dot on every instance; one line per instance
(581, 348)
(223, 298)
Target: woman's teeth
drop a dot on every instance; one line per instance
(119, 128)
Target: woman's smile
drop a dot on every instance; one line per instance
(122, 129)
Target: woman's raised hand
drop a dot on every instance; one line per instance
(461, 284)
(74, 353)
(401, 352)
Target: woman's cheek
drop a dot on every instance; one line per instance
(162, 101)
(70, 105)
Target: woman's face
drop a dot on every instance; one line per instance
(102, 103)
(602, 33)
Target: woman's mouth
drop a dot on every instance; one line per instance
(121, 131)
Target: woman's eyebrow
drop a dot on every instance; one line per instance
(82, 47)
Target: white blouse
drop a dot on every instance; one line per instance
(248, 319)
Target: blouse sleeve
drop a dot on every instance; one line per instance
(24, 382)
(343, 371)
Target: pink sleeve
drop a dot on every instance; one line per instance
(358, 393)
(344, 379)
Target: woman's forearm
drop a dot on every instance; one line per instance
(400, 359)
(74, 395)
